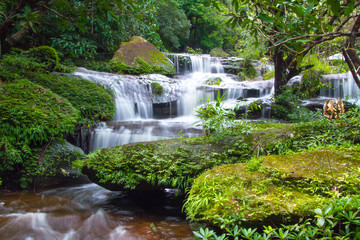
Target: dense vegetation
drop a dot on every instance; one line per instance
(237, 167)
(38, 108)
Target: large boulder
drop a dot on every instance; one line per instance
(273, 188)
(143, 57)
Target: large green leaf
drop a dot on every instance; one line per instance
(266, 18)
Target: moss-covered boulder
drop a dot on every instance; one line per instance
(93, 101)
(274, 188)
(30, 117)
(139, 56)
(176, 162)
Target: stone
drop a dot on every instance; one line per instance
(138, 48)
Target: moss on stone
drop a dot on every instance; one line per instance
(134, 53)
(284, 186)
(157, 89)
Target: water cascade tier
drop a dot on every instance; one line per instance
(154, 107)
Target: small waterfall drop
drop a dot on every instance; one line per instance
(138, 109)
(341, 86)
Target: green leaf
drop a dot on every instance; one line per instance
(299, 10)
(318, 211)
(266, 18)
(320, 221)
(334, 6)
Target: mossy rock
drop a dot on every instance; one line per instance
(176, 162)
(46, 55)
(94, 102)
(281, 187)
(141, 57)
(218, 52)
(30, 117)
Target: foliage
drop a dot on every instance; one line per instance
(132, 165)
(212, 81)
(319, 64)
(18, 64)
(33, 115)
(156, 89)
(312, 23)
(174, 27)
(218, 52)
(310, 85)
(269, 75)
(57, 158)
(78, 26)
(30, 117)
(192, 51)
(249, 47)
(94, 102)
(214, 118)
(248, 70)
(288, 106)
(74, 46)
(338, 220)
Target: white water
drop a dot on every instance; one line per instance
(89, 212)
(137, 109)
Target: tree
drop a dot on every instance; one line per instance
(293, 28)
(102, 23)
(174, 27)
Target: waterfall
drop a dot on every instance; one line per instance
(342, 86)
(138, 109)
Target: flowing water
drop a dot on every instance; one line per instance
(91, 212)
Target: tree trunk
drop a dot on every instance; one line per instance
(351, 57)
(280, 70)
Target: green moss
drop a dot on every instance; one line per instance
(46, 55)
(141, 57)
(157, 89)
(205, 152)
(285, 185)
(218, 52)
(30, 116)
(94, 102)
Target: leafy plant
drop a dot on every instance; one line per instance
(248, 70)
(72, 45)
(213, 117)
(338, 220)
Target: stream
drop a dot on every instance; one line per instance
(90, 212)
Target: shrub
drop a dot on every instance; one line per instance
(45, 55)
(269, 75)
(218, 52)
(310, 85)
(248, 70)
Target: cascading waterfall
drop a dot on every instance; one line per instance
(200, 77)
(133, 98)
(135, 120)
(342, 86)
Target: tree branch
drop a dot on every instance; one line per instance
(55, 12)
